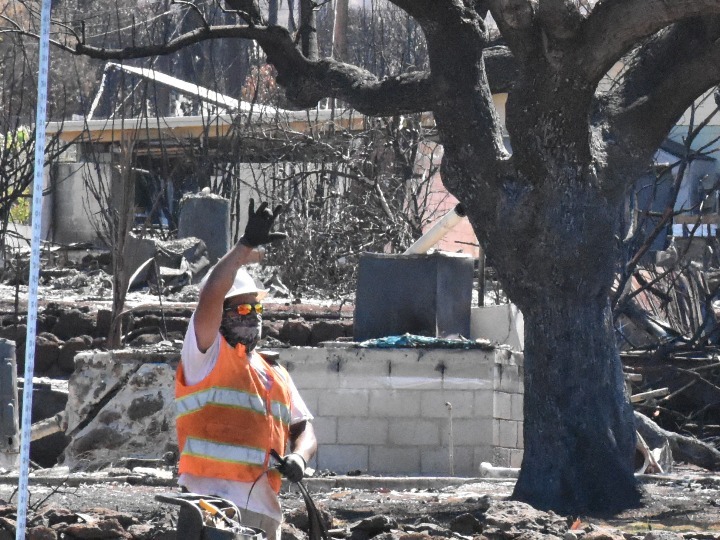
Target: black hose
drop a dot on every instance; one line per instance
(316, 528)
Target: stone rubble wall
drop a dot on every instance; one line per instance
(379, 411)
(63, 331)
(120, 404)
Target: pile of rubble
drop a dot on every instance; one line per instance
(485, 517)
(49, 523)
(67, 327)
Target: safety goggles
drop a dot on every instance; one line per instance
(246, 309)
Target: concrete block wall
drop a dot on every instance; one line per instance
(389, 411)
(379, 411)
(499, 324)
(508, 390)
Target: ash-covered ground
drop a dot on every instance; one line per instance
(685, 504)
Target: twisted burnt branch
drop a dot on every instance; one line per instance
(663, 78)
(615, 26)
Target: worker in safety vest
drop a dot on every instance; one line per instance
(234, 405)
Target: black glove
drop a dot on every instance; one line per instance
(292, 467)
(257, 230)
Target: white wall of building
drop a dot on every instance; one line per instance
(69, 207)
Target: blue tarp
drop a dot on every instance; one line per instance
(411, 341)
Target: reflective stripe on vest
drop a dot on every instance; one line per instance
(229, 453)
(227, 397)
(224, 397)
(280, 411)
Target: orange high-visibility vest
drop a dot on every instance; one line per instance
(227, 423)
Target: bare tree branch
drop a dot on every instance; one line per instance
(306, 81)
(193, 7)
(248, 10)
(560, 18)
(663, 78)
(425, 10)
(615, 26)
(518, 25)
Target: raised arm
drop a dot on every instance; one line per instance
(208, 314)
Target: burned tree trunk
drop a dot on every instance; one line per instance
(553, 253)
(548, 223)
(575, 432)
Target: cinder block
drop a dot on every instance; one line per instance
(517, 407)
(366, 369)
(482, 454)
(502, 406)
(310, 397)
(342, 458)
(414, 432)
(436, 461)
(501, 457)
(434, 405)
(507, 435)
(517, 358)
(360, 382)
(362, 431)
(366, 362)
(384, 460)
(312, 374)
(326, 429)
(483, 404)
(303, 358)
(414, 366)
(516, 457)
(456, 365)
(507, 378)
(503, 356)
(351, 403)
(425, 384)
(395, 403)
(454, 383)
(520, 435)
(398, 357)
(476, 431)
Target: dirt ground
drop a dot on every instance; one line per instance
(686, 502)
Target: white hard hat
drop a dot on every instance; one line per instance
(243, 284)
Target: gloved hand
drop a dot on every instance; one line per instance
(257, 230)
(293, 467)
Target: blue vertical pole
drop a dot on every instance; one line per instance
(40, 120)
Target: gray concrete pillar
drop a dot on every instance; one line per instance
(206, 216)
(9, 430)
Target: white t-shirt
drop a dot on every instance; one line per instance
(196, 366)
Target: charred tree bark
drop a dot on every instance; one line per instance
(552, 240)
(549, 226)
(575, 432)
